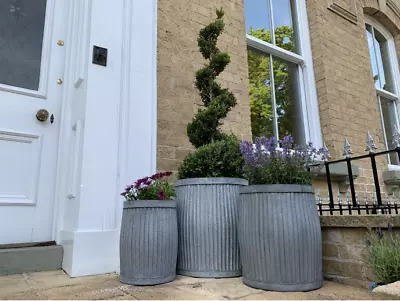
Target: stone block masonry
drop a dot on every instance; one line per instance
(345, 249)
(179, 23)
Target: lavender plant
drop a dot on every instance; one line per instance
(265, 163)
(384, 255)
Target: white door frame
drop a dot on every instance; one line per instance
(127, 92)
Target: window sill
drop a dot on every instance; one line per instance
(391, 178)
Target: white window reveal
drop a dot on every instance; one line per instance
(385, 70)
(283, 96)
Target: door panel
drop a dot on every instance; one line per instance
(29, 31)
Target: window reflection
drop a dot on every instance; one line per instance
(21, 38)
(283, 23)
(288, 102)
(260, 94)
(258, 19)
(259, 22)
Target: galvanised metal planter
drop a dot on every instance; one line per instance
(207, 219)
(280, 238)
(149, 242)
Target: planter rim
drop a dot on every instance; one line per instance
(211, 181)
(277, 188)
(150, 204)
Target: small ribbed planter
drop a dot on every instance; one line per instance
(280, 238)
(149, 242)
(207, 219)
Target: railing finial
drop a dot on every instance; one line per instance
(371, 146)
(347, 149)
(396, 137)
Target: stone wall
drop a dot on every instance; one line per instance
(179, 22)
(345, 251)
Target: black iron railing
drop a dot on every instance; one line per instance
(353, 205)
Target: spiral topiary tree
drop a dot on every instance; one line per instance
(217, 154)
(205, 127)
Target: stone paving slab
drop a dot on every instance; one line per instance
(56, 285)
(387, 292)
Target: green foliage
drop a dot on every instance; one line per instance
(267, 164)
(219, 159)
(155, 187)
(205, 127)
(260, 90)
(384, 256)
(153, 191)
(217, 154)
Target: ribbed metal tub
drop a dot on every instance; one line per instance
(149, 242)
(207, 219)
(280, 238)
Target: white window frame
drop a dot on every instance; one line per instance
(304, 61)
(394, 73)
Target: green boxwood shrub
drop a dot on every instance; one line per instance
(217, 154)
(218, 159)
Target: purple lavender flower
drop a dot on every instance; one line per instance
(379, 232)
(390, 227)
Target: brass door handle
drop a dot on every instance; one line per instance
(42, 115)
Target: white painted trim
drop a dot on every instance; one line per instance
(313, 117)
(386, 94)
(90, 252)
(65, 119)
(274, 50)
(138, 106)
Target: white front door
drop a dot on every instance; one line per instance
(31, 73)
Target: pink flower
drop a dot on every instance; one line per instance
(161, 195)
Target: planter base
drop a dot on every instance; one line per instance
(296, 287)
(230, 274)
(147, 281)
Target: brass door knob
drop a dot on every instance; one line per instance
(42, 115)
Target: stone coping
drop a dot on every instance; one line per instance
(338, 172)
(360, 221)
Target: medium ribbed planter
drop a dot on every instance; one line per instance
(280, 238)
(207, 219)
(149, 242)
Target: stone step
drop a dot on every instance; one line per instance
(30, 258)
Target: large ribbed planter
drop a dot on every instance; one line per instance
(280, 238)
(207, 219)
(149, 242)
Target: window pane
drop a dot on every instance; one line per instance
(372, 54)
(283, 23)
(383, 54)
(288, 100)
(21, 38)
(260, 94)
(389, 120)
(258, 20)
(380, 59)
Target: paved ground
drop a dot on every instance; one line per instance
(57, 285)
